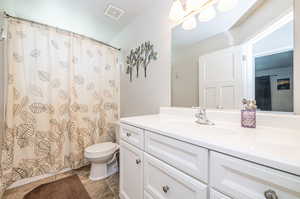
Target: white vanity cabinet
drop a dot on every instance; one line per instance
(190, 159)
(131, 171)
(242, 179)
(162, 181)
(216, 195)
(133, 136)
(159, 170)
(154, 166)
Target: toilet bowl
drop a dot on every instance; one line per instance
(100, 155)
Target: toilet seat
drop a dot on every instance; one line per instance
(102, 149)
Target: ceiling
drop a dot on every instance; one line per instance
(82, 16)
(221, 23)
(279, 60)
(110, 27)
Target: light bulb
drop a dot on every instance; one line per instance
(192, 5)
(227, 5)
(177, 11)
(189, 23)
(207, 14)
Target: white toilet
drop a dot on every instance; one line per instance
(100, 155)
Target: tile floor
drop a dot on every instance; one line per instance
(102, 189)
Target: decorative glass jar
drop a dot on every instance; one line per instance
(248, 119)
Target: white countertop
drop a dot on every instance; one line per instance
(273, 147)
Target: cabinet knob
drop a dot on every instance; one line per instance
(138, 161)
(270, 194)
(128, 134)
(166, 188)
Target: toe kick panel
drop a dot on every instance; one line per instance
(162, 181)
(240, 179)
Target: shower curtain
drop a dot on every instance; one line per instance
(62, 95)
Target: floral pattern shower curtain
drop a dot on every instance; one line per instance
(62, 96)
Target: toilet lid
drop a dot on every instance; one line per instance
(101, 148)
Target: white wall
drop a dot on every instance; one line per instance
(185, 59)
(281, 39)
(282, 100)
(184, 79)
(146, 95)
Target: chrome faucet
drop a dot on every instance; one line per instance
(202, 117)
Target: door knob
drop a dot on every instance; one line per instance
(270, 194)
(166, 188)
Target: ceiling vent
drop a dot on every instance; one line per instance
(114, 12)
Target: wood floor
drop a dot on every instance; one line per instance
(102, 189)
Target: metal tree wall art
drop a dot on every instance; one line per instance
(140, 57)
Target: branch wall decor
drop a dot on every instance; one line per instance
(140, 57)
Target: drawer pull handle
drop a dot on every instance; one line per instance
(166, 188)
(138, 161)
(270, 194)
(128, 134)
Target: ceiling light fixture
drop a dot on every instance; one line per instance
(189, 23)
(177, 11)
(226, 5)
(184, 11)
(207, 14)
(192, 5)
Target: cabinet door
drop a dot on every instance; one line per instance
(131, 172)
(162, 181)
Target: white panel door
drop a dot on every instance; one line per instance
(162, 181)
(131, 172)
(210, 97)
(220, 79)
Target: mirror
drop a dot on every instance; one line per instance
(222, 56)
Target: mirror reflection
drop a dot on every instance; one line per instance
(220, 56)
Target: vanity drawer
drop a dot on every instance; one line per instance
(241, 179)
(162, 181)
(132, 135)
(216, 195)
(188, 158)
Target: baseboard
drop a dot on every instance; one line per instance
(112, 169)
(36, 178)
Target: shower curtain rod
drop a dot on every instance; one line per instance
(101, 42)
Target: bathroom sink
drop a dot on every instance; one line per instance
(217, 128)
